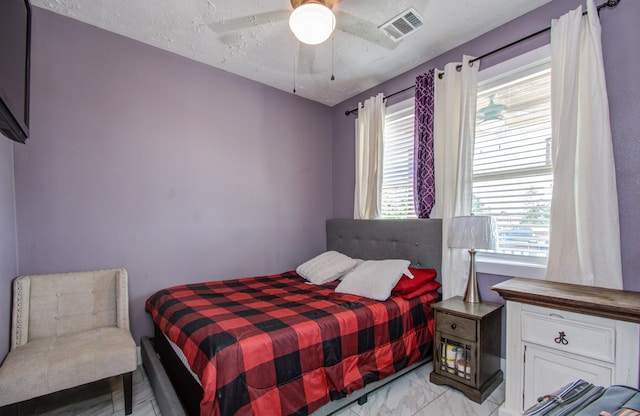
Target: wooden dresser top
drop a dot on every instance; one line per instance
(608, 303)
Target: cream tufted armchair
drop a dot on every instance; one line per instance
(68, 329)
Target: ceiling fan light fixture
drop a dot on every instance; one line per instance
(312, 22)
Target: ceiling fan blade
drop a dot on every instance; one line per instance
(363, 29)
(306, 59)
(232, 38)
(244, 22)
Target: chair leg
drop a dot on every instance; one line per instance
(127, 379)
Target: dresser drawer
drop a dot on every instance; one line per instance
(572, 333)
(456, 326)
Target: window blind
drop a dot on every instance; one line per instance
(397, 174)
(512, 174)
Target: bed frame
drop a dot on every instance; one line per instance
(417, 240)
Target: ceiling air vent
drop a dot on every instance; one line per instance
(402, 25)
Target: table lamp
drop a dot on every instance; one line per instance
(473, 232)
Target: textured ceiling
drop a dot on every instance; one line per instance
(251, 38)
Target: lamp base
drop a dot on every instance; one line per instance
(472, 295)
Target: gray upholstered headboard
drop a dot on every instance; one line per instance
(416, 240)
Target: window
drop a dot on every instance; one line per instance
(512, 174)
(397, 171)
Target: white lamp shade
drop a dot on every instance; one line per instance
(312, 23)
(473, 232)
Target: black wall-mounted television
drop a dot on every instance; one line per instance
(15, 50)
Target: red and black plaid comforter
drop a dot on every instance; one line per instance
(275, 345)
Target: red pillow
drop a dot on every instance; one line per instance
(420, 278)
(431, 286)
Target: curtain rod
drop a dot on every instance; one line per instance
(609, 3)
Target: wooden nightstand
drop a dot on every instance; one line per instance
(467, 347)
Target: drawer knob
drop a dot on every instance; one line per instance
(453, 326)
(561, 338)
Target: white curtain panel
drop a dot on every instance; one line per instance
(454, 132)
(369, 153)
(584, 245)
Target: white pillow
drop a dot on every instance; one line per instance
(326, 267)
(374, 279)
(358, 263)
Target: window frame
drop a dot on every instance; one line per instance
(512, 264)
(499, 263)
(397, 107)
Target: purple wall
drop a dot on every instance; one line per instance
(622, 59)
(177, 171)
(8, 261)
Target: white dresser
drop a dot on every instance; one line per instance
(558, 332)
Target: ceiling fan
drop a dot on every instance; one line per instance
(233, 32)
(344, 22)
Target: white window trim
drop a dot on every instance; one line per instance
(400, 105)
(508, 264)
(517, 63)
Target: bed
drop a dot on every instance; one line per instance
(329, 349)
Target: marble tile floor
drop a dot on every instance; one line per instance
(410, 395)
(102, 398)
